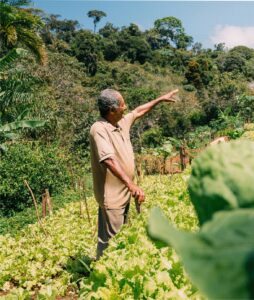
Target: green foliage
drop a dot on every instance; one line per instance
(17, 2)
(17, 94)
(43, 167)
(179, 60)
(171, 30)
(20, 27)
(14, 97)
(17, 97)
(245, 52)
(199, 138)
(108, 30)
(246, 104)
(152, 137)
(232, 133)
(199, 71)
(81, 135)
(21, 124)
(213, 250)
(8, 131)
(134, 48)
(232, 61)
(222, 179)
(189, 87)
(61, 95)
(85, 47)
(228, 124)
(10, 57)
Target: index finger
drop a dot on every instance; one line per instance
(175, 91)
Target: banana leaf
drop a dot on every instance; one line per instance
(22, 124)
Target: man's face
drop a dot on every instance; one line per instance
(118, 113)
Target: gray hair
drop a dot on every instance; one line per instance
(108, 99)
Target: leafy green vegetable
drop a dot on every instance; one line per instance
(131, 268)
(219, 258)
(222, 179)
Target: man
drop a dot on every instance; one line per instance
(112, 161)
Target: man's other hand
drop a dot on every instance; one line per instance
(169, 96)
(136, 192)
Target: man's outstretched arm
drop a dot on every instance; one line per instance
(145, 108)
(113, 165)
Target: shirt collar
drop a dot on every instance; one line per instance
(110, 126)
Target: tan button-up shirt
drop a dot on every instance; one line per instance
(107, 141)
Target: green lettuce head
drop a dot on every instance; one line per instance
(223, 179)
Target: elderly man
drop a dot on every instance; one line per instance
(112, 161)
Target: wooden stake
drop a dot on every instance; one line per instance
(48, 201)
(87, 210)
(95, 229)
(36, 206)
(44, 206)
(182, 157)
(80, 201)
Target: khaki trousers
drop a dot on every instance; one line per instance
(109, 224)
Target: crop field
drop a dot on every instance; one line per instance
(54, 262)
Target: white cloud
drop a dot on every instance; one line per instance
(233, 36)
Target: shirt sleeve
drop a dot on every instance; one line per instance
(128, 120)
(102, 144)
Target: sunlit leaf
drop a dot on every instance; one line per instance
(219, 258)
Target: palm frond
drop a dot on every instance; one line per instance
(35, 44)
(19, 27)
(16, 3)
(10, 57)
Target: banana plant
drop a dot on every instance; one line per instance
(10, 131)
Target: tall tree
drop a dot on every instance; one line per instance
(171, 30)
(97, 15)
(85, 47)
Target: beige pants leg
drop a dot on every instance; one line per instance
(109, 223)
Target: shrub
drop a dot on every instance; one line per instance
(152, 137)
(42, 166)
(189, 88)
(232, 133)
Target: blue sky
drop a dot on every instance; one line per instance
(209, 22)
